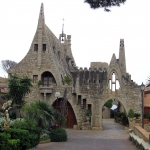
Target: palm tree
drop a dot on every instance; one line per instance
(41, 112)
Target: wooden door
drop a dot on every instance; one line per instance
(70, 119)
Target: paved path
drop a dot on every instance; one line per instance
(113, 137)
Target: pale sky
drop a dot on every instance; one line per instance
(95, 33)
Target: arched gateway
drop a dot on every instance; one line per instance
(69, 113)
(50, 60)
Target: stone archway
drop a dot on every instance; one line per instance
(70, 116)
(123, 103)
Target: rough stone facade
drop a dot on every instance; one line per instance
(49, 60)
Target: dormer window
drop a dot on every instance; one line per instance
(35, 47)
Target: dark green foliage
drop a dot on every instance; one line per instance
(34, 139)
(131, 113)
(14, 144)
(66, 79)
(31, 126)
(8, 144)
(121, 118)
(4, 141)
(18, 88)
(136, 115)
(58, 135)
(22, 135)
(12, 114)
(41, 112)
(104, 3)
(23, 123)
(109, 103)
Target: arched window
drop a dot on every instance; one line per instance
(48, 79)
(113, 82)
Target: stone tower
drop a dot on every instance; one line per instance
(49, 60)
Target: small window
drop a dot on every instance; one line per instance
(35, 78)
(35, 47)
(44, 47)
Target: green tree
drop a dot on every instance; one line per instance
(17, 89)
(109, 103)
(104, 3)
(131, 113)
(41, 112)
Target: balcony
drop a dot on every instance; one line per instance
(46, 89)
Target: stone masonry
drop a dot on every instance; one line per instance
(49, 60)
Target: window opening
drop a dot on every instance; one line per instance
(84, 103)
(109, 84)
(35, 47)
(47, 79)
(35, 78)
(113, 77)
(117, 85)
(113, 87)
(114, 83)
(44, 47)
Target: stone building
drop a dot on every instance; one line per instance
(3, 89)
(50, 59)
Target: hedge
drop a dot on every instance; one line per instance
(58, 135)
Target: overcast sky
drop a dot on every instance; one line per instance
(95, 33)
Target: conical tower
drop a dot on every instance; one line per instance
(46, 54)
(122, 59)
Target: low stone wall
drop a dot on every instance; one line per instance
(142, 133)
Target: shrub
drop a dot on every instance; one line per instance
(58, 135)
(136, 115)
(131, 113)
(31, 126)
(66, 79)
(22, 135)
(14, 144)
(4, 141)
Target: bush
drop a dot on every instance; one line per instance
(4, 141)
(58, 135)
(34, 139)
(22, 135)
(136, 115)
(14, 144)
(131, 113)
(31, 126)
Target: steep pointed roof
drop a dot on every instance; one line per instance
(113, 59)
(41, 21)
